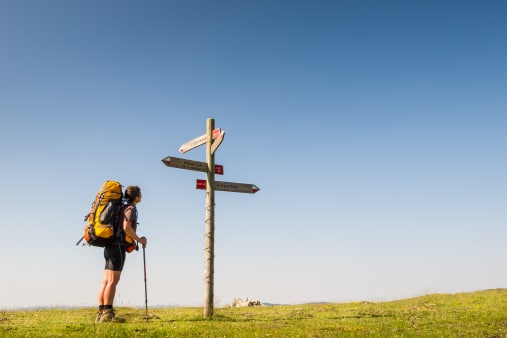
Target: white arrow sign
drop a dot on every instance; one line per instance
(182, 163)
(217, 142)
(197, 141)
(229, 186)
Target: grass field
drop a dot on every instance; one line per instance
(476, 314)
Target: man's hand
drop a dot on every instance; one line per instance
(143, 241)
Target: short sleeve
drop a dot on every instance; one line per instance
(131, 215)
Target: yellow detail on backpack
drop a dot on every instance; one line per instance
(100, 222)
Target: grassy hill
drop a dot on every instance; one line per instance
(475, 314)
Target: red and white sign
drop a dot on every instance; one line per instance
(217, 142)
(200, 184)
(219, 169)
(198, 141)
(182, 163)
(229, 186)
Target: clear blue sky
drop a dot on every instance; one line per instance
(376, 131)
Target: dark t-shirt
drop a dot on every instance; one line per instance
(128, 212)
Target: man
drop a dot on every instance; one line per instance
(115, 254)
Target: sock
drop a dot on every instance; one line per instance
(108, 307)
(101, 308)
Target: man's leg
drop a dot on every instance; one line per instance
(115, 258)
(111, 279)
(106, 296)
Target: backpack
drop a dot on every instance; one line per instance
(101, 221)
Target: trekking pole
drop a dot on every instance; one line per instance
(145, 287)
(80, 241)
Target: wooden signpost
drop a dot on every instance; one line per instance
(200, 140)
(213, 138)
(229, 186)
(182, 163)
(217, 142)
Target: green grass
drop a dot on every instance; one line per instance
(476, 314)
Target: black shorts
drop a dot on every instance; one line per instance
(115, 257)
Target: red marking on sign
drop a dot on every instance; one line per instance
(219, 169)
(200, 184)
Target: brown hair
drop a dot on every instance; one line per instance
(131, 193)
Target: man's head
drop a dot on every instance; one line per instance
(133, 194)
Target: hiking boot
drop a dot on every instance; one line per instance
(109, 316)
(97, 319)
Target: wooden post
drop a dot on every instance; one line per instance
(209, 245)
(212, 138)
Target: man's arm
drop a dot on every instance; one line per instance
(129, 231)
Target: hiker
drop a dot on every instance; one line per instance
(115, 253)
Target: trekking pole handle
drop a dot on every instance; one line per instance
(144, 245)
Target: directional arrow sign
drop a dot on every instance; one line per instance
(229, 186)
(217, 142)
(182, 163)
(197, 141)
